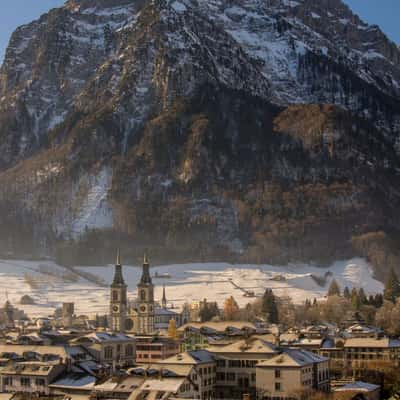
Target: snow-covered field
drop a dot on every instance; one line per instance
(187, 282)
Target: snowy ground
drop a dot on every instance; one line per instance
(187, 282)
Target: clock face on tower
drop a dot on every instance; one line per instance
(143, 308)
(115, 308)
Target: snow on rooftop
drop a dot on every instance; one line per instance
(75, 381)
(359, 386)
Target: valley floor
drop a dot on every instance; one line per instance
(50, 285)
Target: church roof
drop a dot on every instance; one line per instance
(146, 278)
(118, 278)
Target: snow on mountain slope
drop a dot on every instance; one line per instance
(187, 283)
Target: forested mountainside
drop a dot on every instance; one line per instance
(246, 130)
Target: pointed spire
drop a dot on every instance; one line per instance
(118, 278)
(118, 257)
(164, 298)
(146, 278)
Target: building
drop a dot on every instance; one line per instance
(371, 353)
(203, 374)
(109, 348)
(30, 377)
(357, 390)
(291, 374)
(68, 310)
(165, 381)
(236, 366)
(153, 349)
(138, 319)
(201, 335)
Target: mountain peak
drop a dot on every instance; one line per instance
(248, 127)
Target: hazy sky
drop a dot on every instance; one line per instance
(384, 13)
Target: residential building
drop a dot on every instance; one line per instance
(236, 366)
(109, 348)
(153, 349)
(30, 377)
(290, 374)
(357, 390)
(203, 374)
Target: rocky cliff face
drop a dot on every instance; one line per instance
(258, 130)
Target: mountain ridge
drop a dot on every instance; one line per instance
(247, 129)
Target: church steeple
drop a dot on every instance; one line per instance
(146, 278)
(145, 301)
(118, 278)
(164, 299)
(118, 300)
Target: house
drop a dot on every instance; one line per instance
(30, 377)
(152, 349)
(361, 353)
(236, 366)
(354, 390)
(162, 317)
(203, 371)
(109, 348)
(73, 383)
(166, 380)
(200, 335)
(291, 373)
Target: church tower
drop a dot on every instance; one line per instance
(118, 302)
(164, 299)
(145, 301)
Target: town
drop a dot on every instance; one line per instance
(145, 349)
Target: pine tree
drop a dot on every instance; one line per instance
(392, 287)
(269, 307)
(334, 289)
(378, 300)
(362, 296)
(346, 293)
(355, 299)
(371, 300)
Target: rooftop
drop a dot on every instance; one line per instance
(358, 386)
(293, 358)
(252, 345)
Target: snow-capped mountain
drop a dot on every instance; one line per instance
(259, 128)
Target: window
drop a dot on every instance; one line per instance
(220, 376)
(230, 376)
(40, 382)
(8, 381)
(277, 373)
(128, 324)
(129, 350)
(143, 295)
(221, 363)
(25, 382)
(108, 353)
(278, 386)
(115, 295)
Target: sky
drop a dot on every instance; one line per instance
(384, 13)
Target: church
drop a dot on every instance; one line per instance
(143, 316)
